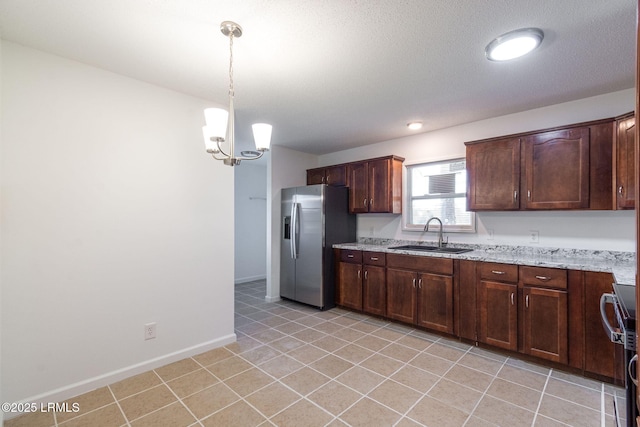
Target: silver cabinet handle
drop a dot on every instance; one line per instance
(374, 258)
(420, 283)
(370, 203)
(327, 179)
(620, 190)
(359, 276)
(365, 274)
(365, 202)
(633, 361)
(515, 195)
(512, 300)
(414, 283)
(498, 272)
(526, 301)
(543, 278)
(350, 256)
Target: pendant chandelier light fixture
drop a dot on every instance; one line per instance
(219, 131)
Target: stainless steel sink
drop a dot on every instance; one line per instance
(453, 250)
(432, 249)
(415, 248)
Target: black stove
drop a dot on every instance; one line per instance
(623, 300)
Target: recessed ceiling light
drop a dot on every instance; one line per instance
(414, 125)
(514, 44)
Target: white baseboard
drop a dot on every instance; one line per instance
(250, 279)
(72, 390)
(267, 298)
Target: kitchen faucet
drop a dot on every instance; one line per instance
(441, 243)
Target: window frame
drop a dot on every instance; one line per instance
(407, 199)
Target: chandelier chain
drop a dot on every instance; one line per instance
(231, 91)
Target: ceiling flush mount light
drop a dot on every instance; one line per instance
(414, 125)
(514, 44)
(219, 130)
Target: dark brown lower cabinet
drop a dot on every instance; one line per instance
(349, 285)
(545, 324)
(361, 281)
(374, 290)
(601, 356)
(498, 314)
(544, 329)
(420, 291)
(548, 313)
(401, 295)
(435, 302)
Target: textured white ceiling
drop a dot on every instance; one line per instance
(336, 74)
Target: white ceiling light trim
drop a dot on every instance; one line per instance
(414, 125)
(514, 44)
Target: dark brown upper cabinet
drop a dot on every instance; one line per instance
(562, 168)
(375, 186)
(556, 170)
(331, 175)
(625, 162)
(493, 170)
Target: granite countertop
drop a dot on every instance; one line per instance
(621, 264)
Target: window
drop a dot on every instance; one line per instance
(438, 189)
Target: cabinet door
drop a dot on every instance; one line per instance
(625, 164)
(379, 180)
(336, 175)
(350, 285)
(435, 302)
(358, 187)
(493, 175)
(401, 295)
(315, 176)
(601, 356)
(556, 170)
(498, 314)
(374, 290)
(545, 324)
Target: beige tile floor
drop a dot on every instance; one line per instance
(296, 366)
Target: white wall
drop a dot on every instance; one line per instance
(251, 222)
(285, 168)
(112, 217)
(585, 230)
(1, 394)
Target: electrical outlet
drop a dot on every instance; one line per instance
(534, 236)
(490, 234)
(150, 331)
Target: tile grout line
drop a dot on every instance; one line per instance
(544, 389)
(178, 397)
(602, 407)
(119, 407)
(484, 393)
(441, 377)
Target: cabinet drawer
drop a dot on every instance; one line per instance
(498, 272)
(348, 255)
(373, 258)
(421, 263)
(544, 277)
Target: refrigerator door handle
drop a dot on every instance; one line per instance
(294, 230)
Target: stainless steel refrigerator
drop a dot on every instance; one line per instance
(314, 218)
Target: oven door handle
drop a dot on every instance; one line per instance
(614, 335)
(632, 362)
